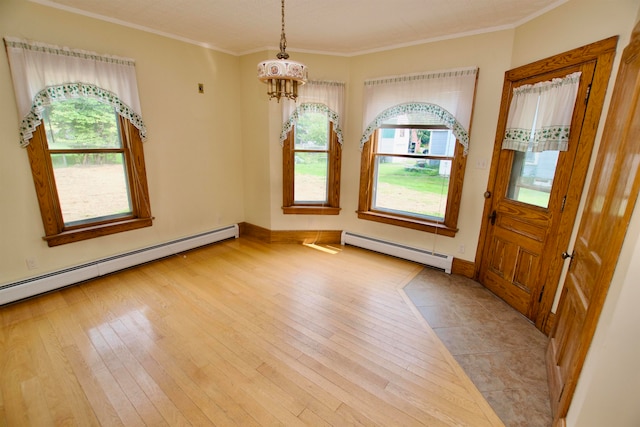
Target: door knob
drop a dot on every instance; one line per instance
(566, 255)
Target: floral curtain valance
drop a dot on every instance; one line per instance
(540, 115)
(448, 94)
(429, 113)
(315, 96)
(311, 108)
(44, 73)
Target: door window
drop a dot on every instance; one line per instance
(532, 177)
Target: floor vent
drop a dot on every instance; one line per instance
(431, 259)
(11, 292)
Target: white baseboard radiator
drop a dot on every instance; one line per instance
(11, 292)
(421, 256)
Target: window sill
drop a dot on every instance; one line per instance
(90, 232)
(310, 210)
(416, 224)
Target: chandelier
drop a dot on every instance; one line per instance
(282, 75)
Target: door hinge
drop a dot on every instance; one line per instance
(564, 202)
(541, 292)
(586, 98)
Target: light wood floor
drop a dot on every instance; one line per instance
(237, 333)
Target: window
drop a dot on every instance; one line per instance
(537, 129)
(414, 146)
(88, 168)
(532, 177)
(311, 140)
(81, 125)
(311, 165)
(411, 176)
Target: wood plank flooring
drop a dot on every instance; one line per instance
(236, 333)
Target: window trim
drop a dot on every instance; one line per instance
(448, 227)
(56, 232)
(332, 206)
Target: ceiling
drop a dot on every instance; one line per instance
(339, 27)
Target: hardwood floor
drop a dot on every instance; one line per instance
(237, 333)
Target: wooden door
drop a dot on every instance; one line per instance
(524, 214)
(610, 202)
(526, 217)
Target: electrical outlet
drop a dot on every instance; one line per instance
(32, 263)
(461, 249)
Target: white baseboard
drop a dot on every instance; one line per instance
(26, 288)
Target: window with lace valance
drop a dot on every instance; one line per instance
(81, 122)
(311, 138)
(414, 144)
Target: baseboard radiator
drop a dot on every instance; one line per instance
(11, 292)
(421, 256)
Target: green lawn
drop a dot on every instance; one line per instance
(415, 179)
(533, 197)
(402, 187)
(396, 174)
(392, 174)
(314, 169)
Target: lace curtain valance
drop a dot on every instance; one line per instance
(540, 115)
(315, 96)
(448, 93)
(44, 73)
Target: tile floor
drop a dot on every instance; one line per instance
(501, 351)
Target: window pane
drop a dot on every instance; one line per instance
(312, 131)
(410, 186)
(91, 186)
(442, 143)
(310, 177)
(403, 141)
(416, 141)
(81, 123)
(532, 177)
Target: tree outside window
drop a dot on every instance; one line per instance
(87, 157)
(94, 163)
(81, 123)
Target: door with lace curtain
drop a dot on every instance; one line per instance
(534, 191)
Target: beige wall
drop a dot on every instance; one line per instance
(214, 159)
(193, 153)
(573, 24)
(256, 133)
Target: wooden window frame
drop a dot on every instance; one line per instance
(332, 204)
(447, 227)
(56, 232)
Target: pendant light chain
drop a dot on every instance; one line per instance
(283, 39)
